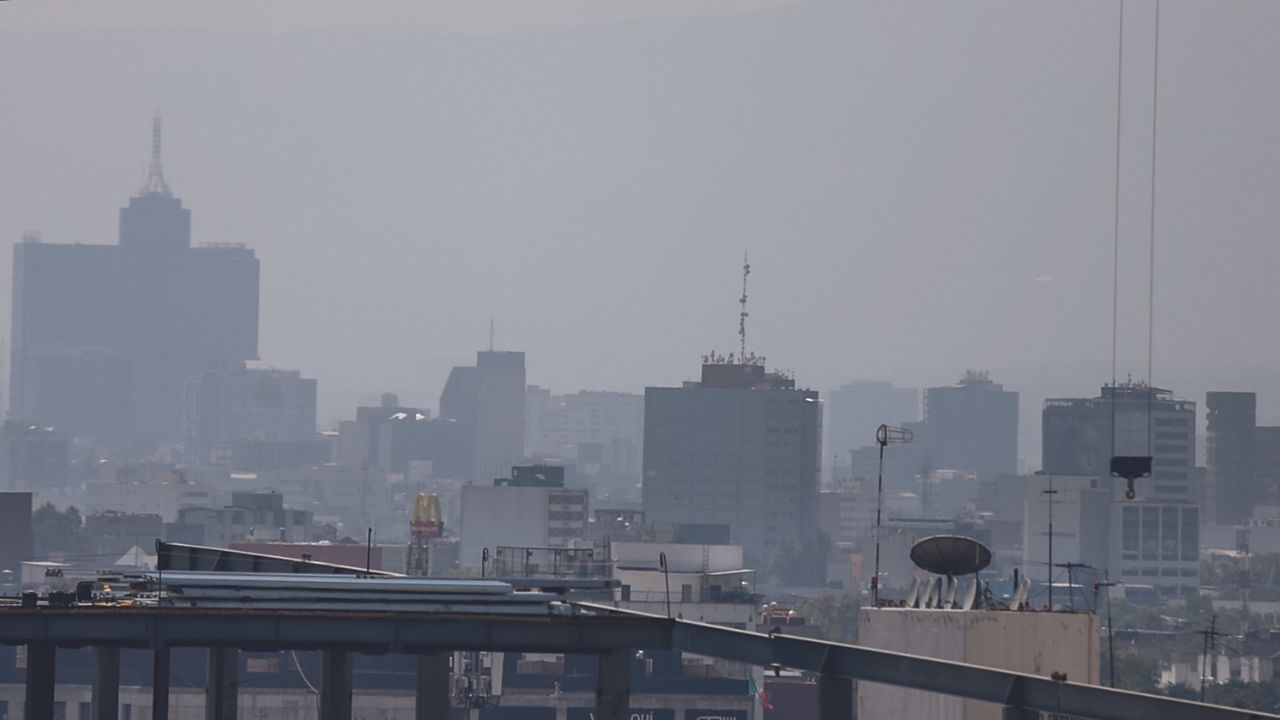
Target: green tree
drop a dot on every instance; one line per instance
(57, 531)
(1137, 673)
(835, 615)
(802, 564)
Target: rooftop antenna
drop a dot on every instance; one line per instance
(742, 315)
(490, 334)
(155, 184)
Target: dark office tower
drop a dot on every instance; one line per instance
(858, 408)
(733, 459)
(16, 541)
(104, 336)
(487, 401)
(1231, 451)
(1080, 438)
(973, 426)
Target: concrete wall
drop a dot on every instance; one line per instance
(680, 557)
(1038, 643)
(493, 516)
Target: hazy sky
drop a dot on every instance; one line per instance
(922, 186)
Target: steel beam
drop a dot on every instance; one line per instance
(613, 686)
(160, 684)
(221, 693)
(432, 701)
(835, 697)
(1029, 692)
(106, 683)
(335, 686)
(41, 670)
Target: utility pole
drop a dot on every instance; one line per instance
(1111, 636)
(1209, 636)
(1050, 493)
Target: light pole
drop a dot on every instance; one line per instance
(1050, 493)
(885, 434)
(666, 578)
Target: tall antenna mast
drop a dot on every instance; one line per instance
(490, 334)
(155, 184)
(742, 315)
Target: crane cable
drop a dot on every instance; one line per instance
(1151, 267)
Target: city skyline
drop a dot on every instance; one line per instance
(844, 285)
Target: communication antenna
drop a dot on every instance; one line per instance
(490, 334)
(155, 184)
(742, 314)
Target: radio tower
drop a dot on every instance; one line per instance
(742, 315)
(155, 184)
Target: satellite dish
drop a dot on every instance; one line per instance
(914, 594)
(950, 555)
(970, 595)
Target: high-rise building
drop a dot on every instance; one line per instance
(1231, 450)
(16, 539)
(238, 403)
(973, 426)
(1267, 463)
(487, 401)
(33, 457)
(105, 336)
(559, 425)
(733, 458)
(1155, 538)
(1081, 435)
(858, 408)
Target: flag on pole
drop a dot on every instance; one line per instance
(764, 699)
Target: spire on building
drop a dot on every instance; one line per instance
(155, 186)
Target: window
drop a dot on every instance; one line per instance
(1130, 526)
(1150, 533)
(1169, 533)
(1190, 535)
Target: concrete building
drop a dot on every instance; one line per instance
(856, 409)
(111, 533)
(972, 425)
(1159, 545)
(709, 583)
(1081, 523)
(1267, 463)
(734, 459)
(487, 401)
(1037, 643)
(33, 457)
(1080, 439)
(387, 437)
(532, 508)
(16, 539)
(105, 336)
(948, 493)
(237, 402)
(559, 426)
(252, 516)
(1155, 538)
(904, 465)
(1231, 448)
